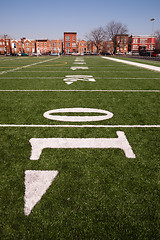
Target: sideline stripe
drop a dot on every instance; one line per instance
(15, 69)
(81, 126)
(141, 65)
(49, 90)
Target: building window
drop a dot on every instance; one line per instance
(74, 39)
(73, 44)
(67, 44)
(134, 47)
(135, 40)
(27, 44)
(67, 38)
(27, 49)
(37, 44)
(41, 44)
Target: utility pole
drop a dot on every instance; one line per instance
(152, 20)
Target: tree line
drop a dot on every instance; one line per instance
(109, 32)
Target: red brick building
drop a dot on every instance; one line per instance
(70, 42)
(23, 46)
(82, 47)
(143, 43)
(56, 46)
(92, 47)
(43, 46)
(121, 43)
(5, 46)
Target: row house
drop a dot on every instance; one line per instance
(23, 46)
(43, 46)
(82, 47)
(5, 46)
(143, 43)
(70, 42)
(92, 47)
(121, 43)
(56, 46)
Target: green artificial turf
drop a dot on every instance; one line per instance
(98, 194)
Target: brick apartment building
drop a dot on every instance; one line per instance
(23, 46)
(70, 42)
(56, 46)
(5, 46)
(121, 43)
(82, 47)
(43, 46)
(92, 47)
(143, 43)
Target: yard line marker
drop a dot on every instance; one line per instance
(79, 63)
(73, 78)
(141, 71)
(50, 90)
(77, 75)
(75, 68)
(79, 126)
(141, 65)
(36, 185)
(103, 78)
(12, 70)
(38, 144)
(65, 118)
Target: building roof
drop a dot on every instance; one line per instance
(70, 33)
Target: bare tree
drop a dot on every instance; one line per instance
(115, 28)
(97, 36)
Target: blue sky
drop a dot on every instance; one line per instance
(49, 19)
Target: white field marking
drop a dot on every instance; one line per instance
(141, 65)
(50, 90)
(30, 77)
(79, 60)
(74, 75)
(78, 118)
(15, 69)
(79, 63)
(78, 126)
(36, 185)
(75, 68)
(38, 144)
(89, 71)
(73, 78)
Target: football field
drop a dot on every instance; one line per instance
(79, 149)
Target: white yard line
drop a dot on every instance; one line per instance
(105, 78)
(141, 65)
(103, 90)
(15, 69)
(79, 126)
(133, 71)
